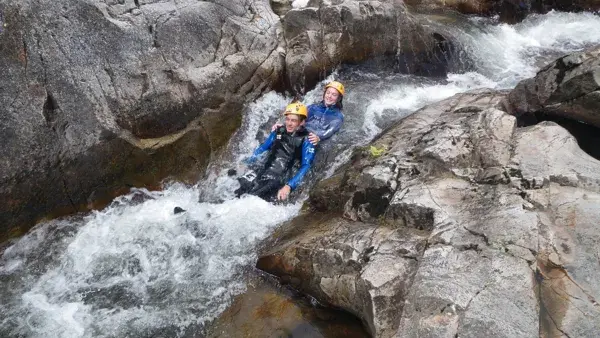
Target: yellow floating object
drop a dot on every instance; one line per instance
(375, 152)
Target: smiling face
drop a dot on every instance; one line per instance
(331, 96)
(292, 122)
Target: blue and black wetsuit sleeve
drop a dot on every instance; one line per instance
(308, 155)
(334, 126)
(265, 146)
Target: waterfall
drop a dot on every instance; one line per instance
(137, 269)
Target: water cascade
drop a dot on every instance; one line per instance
(137, 269)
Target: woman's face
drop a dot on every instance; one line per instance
(331, 96)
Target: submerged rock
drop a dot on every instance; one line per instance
(456, 222)
(270, 310)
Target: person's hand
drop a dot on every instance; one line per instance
(284, 193)
(313, 138)
(275, 126)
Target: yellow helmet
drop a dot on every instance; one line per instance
(296, 108)
(337, 85)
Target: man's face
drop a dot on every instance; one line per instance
(292, 122)
(331, 96)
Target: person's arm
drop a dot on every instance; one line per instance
(334, 126)
(265, 146)
(308, 155)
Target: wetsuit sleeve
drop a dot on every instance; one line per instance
(263, 147)
(308, 155)
(334, 127)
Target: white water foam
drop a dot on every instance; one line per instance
(403, 99)
(299, 3)
(134, 268)
(137, 269)
(503, 54)
(510, 53)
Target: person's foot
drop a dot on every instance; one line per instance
(178, 210)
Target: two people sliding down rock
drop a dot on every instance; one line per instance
(295, 141)
(325, 118)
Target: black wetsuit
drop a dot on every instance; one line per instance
(285, 149)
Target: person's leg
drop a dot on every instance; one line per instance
(245, 186)
(267, 189)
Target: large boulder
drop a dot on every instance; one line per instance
(334, 32)
(97, 96)
(505, 214)
(568, 87)
(364, 269)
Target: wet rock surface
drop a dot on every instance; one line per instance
(267, 309)
(456, 208)
(361, 268)
(568, 88)
(329, 33)
(100, 96)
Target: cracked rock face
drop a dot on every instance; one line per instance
(568, 87)
(361, 268)
(100, 95)
(329, 33)
(505, 218)
(319, 38)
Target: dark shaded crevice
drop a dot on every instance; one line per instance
(221, 34)
(376, 200)
(478, 234)
(25, 56)
(533, 251)
(475, 296)
(152, 31)
(467, 247)
(416, 259)
(587, 136)
(50, 109)
(137, 3)
(412, 215)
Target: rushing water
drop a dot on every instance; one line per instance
(136, 269)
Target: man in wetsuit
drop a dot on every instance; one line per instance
(287, 144)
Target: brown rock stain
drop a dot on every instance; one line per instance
(572, 218)
(553, 299)
(275, 306)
